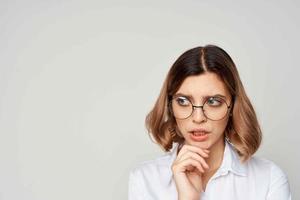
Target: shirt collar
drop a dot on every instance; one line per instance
(230, 162)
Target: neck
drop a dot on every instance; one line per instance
(216, 154)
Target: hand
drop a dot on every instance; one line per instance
(188, 168)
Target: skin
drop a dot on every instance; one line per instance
(196, 162)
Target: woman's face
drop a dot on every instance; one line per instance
(200, 88)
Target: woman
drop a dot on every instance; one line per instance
(205, 122)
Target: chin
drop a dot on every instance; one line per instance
(202, 145)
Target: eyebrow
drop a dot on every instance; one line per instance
(204, 97)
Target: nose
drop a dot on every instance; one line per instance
(198, 114)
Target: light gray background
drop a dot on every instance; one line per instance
(77, 79)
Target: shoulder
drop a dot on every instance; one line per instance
(153, 166)
(270, 174)
(266, 166)
(157, 166)
(156, 171)
(149, 176)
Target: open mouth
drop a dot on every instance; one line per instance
(198, 133)
(199, 136)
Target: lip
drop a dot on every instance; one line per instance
(199, 138)
(199, 130)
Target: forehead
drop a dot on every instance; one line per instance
(206, 84)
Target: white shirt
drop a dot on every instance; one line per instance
(257, 179)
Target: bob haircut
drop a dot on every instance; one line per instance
(242, 129)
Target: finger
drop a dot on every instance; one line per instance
(187, 148)
(198, 150)
(195, 156)
(184, 165)
(206, 150)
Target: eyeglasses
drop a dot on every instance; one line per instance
(214, 108)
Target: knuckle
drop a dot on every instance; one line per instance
(174, 167)
(200, 151)
(194, 155)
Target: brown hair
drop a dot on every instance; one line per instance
(242, 129)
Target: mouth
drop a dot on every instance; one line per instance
(199, 136)
(198, 133)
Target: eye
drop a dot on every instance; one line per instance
(215, 101)
(182, 101)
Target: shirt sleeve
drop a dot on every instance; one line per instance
(279, 186)
(134, 185)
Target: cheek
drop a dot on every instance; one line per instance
(181, 124)
(219, 126)
(216, 126)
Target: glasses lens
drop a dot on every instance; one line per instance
(215, 108)
(182, 107)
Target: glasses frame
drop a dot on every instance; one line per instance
(194, 106)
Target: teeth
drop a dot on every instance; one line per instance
(199, 133)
